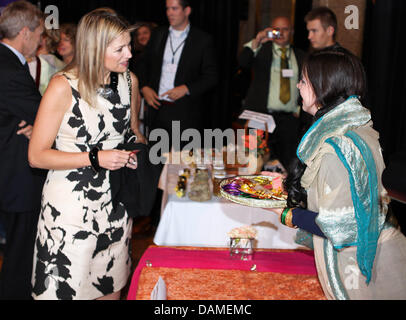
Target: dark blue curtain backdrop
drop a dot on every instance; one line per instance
(3, 3)
(385, 63)
(300, 36)
(133, 11)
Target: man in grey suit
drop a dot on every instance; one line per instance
(21, 26)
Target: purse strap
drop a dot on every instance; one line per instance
(129, 83)
(129, 135)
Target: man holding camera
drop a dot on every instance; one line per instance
(275, 66)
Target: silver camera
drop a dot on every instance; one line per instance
(274, 34)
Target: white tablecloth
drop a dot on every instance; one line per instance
(189, 223)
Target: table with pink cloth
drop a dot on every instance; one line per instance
(195, 273)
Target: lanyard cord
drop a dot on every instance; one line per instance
(174, 51)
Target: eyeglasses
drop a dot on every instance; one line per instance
(302, 82)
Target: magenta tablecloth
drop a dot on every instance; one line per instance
(278, 261)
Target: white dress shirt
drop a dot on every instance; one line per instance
(19, 55)
(173, 50)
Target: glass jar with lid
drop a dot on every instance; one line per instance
(219, 173)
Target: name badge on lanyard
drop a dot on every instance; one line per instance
(287, 73)
(171, 68)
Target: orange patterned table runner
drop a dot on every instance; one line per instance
(202, 284)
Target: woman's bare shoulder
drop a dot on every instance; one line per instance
(58, 93)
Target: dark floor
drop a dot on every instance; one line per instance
(140, 242)
(142, 238)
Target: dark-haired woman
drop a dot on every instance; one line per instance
(141, 37)
(66, 46)
(142, 34)
(336, 197)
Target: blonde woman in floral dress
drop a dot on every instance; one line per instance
(82, 245)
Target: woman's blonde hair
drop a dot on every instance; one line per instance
(96, 30)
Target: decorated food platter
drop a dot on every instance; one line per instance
(254, 191)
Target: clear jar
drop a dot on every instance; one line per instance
(218, 168)
(242, 248)
(217, 178)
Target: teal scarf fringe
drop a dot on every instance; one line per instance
(364, 193)
(336, 128)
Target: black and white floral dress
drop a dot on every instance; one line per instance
(82, 245)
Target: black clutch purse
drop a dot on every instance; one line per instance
(135, 189)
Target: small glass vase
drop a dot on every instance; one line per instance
(242, 248)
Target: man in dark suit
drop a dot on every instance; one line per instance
(176, 73)
(178, 70)
(276, 68)
(21, 26)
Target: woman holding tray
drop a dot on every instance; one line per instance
(335, 192)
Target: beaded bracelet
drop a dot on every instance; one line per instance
(94, 160)
(283, 215)
(286, 217)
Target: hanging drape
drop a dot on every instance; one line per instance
(385, 65)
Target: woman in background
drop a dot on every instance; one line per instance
(66, 46)
(45, 63)
(47, 48)
(141, 37)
